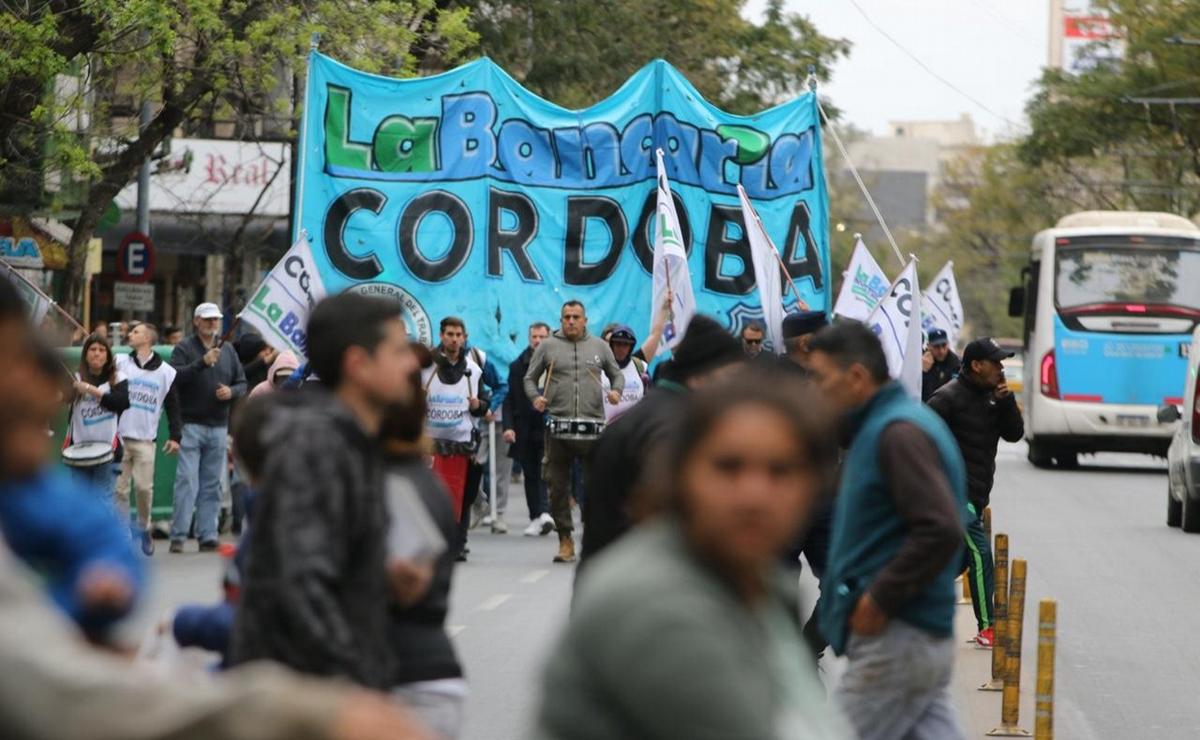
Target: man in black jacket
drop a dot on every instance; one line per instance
(209, 378)
(980, 410)
(525, 431)
(939, 364)
(315, 591)
(706, 354)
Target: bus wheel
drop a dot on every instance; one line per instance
(1174, 509)
(1039, 455)
(1191, 513)
(1067, 460)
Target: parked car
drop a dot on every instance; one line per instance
(1183, 456)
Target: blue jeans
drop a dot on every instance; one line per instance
(102, 478)
(198, 481)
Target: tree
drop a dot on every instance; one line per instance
(577, 53)
(1113, 129)
(991, 203)
(194, 60)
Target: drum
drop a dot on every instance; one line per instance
(580, 429)
(87, 454)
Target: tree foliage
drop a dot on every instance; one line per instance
(990, 205)
(577, 53)
(1098, 128)
(196, 61)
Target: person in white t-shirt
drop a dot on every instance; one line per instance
(151, 390)
(101, 394)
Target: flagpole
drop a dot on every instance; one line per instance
(303, 140)
(51, 301)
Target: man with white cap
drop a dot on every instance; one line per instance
(209, 377)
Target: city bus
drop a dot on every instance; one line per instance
(1110, 300)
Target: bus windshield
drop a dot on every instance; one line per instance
(1144, 275)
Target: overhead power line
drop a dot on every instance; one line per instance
(928, 69)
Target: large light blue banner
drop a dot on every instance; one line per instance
(465, 194)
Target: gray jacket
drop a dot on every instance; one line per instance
(574, 390)
(659, 646)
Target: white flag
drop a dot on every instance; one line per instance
(766, 272)
(37, 304)
(942, 306)
(670, 265)
(864, 284)
(893, 322)
(281, 304)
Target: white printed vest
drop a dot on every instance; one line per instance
(91, 422)
(635, 388)
(147, 393)
(448, 416)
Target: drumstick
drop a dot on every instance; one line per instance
(549, 374)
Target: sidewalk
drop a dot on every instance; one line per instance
(980, 710)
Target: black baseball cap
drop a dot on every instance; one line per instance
(799, 323)
(985, 348)
(938, 337)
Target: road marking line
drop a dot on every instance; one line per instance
(534, 576)
(494, 602)
(454, 629)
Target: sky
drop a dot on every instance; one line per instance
(991, 50)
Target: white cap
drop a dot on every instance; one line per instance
(207, 311)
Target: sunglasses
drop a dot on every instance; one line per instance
(753, 341)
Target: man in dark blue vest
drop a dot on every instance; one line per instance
(887, 598)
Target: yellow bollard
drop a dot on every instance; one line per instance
(1010, 707)
(987, 523)
(1001, 613)
(1043, 722)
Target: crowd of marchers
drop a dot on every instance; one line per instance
(699, 475)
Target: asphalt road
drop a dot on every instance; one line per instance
(1095, 539)
(1127, 587)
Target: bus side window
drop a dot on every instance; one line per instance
(1031, 279)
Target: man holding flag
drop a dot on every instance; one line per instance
(209, 377)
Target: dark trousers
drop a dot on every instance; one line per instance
(816, 550)
(561, 455)
(474, 481)
(978, 564)
(536, 497)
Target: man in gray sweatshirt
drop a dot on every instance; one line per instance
(572, 396)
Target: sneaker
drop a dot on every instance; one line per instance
(534, 529)
(547, 522)
(176, 546)
(209, 546)
(461, 557)
(986, 638)
(147, 543)
(487, 521)
(499, 527)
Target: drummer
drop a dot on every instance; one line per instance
(574, 363)
(101, 394)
